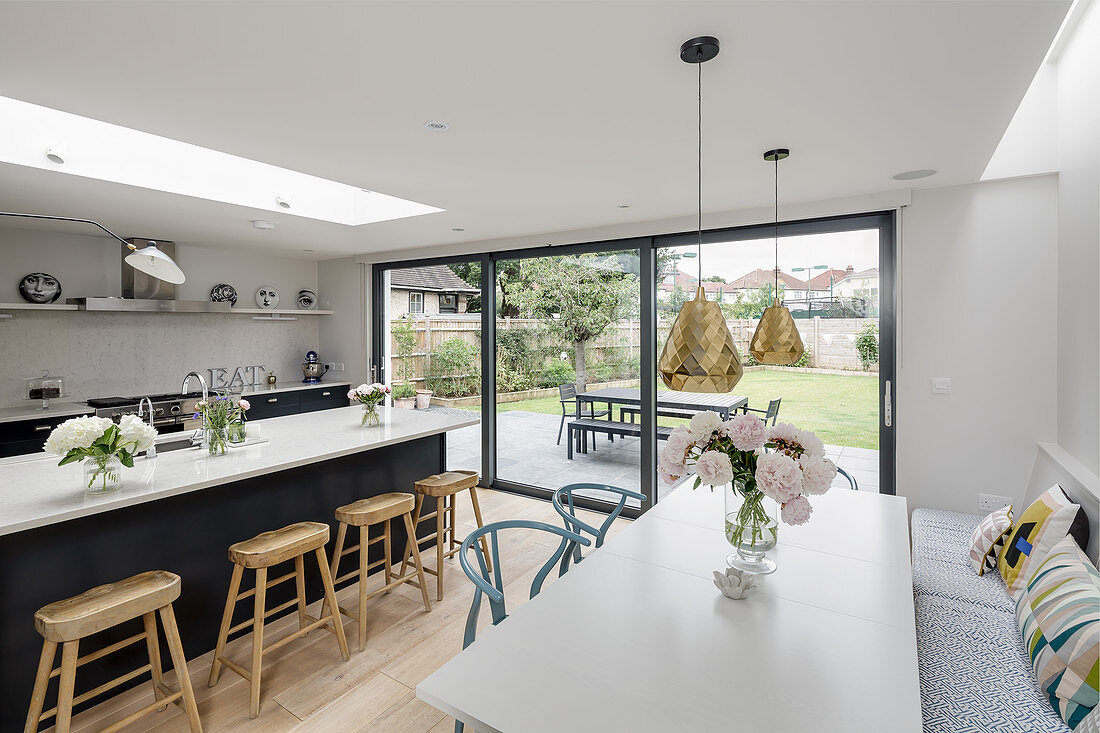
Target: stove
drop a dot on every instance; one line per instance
(172, 413)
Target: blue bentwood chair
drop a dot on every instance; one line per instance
(851, 479)
(563, 503)
(492, 585)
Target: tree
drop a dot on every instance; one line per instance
(581, 295)
(752, 304)
(714, 279)
(509, 280)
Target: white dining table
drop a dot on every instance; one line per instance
(637, 638)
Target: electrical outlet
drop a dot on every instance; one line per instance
(338, 366)
(941, 385)
(991, 502)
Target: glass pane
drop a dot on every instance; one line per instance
(830, 283)
(568, 360)
(434, 320)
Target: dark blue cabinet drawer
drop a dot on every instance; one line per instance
(274, 405)
(324, 398)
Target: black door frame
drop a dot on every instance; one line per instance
(885, 222)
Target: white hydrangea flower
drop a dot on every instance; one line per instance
(79, 432)
(136, 433)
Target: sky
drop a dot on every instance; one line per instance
(731, 260)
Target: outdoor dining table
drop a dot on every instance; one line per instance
(723, 404)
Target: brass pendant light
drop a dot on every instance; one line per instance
(776, 340)
(699, 354)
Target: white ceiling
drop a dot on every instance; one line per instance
(559, 111)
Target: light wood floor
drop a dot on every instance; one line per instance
(306, 686)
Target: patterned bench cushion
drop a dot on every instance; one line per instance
(958, 582)
(942, 535)
(974, 672)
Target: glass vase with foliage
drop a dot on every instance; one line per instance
(222, 409)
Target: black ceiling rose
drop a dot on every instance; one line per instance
(778, 154)
(700, 49)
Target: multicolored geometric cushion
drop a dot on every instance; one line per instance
(988, 540)
(1043, 525)
(1058, 613)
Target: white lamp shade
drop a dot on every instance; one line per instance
(152, 261)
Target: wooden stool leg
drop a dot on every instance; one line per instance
(69, 653)
(440, 512)
(330, 594)
(41, 681)
(227, 621)
(386, 551)
(417, 509)
(300, 584)
(152, 644)
(454, 524)
(480, 524)
(337, 553)
(257, 642)
(364, 557)
(179, 663)
(415, 551)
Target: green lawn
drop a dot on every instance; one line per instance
(842, 410)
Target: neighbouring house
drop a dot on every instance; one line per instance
(858, 284)
(763, 278)
(433, 289)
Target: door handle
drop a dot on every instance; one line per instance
(41, 428)
(273, 399)
(326, 394)
(888, 407)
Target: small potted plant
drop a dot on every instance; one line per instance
(404, 396)
(423, 399)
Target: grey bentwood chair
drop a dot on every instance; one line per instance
(772, 413)
(851, 479)
(563, 504)
(567, 394)
(492, 586)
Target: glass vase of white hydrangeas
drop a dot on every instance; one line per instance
(104, 447)
(766, 471)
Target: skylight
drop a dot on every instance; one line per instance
(100, 150)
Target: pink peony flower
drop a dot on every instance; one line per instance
(703, 424)
(811, 444)
(679, 440)
(714, 468)
(778, 476)
(817, 474)
(351, 394)
(245, 404)
(796, 511)
(747, 432)
(667, 475)
(673, 459)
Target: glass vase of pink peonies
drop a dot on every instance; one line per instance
(370, 396)
(766, 472)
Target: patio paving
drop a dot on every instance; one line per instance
(527, 453)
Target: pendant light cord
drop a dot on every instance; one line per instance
(699, 246)
(775, 296)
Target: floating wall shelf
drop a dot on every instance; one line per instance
(106, 308)
(37, 307)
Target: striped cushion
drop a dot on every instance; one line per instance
(1039, 528)
(988, 540)
(1058, 613)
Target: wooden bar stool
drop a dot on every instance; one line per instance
(364, 514)
(444, 486)
(67, 622)
(260, 553)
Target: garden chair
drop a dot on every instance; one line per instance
(492, 585)
(772, 413)
(563, 504)
(567, 395)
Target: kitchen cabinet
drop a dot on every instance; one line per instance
(19, 437)
(294, 401)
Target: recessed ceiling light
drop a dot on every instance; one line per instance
(57, 153)
(263, 224)
(622, 206)
(914, 175)
(283, 203)
(437, 125)
(457, 229)
(307, 250)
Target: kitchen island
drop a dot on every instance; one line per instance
(180, 512)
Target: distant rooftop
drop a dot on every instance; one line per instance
(432, 278)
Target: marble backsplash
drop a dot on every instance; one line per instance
(123, 354)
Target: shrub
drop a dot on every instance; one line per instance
(454, 369)
(513, 380)
(404, 391)
(867, 344)
(557, 373)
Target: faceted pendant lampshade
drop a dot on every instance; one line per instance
(776, 340)
(699, 355)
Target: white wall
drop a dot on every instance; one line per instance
(959, 245)
(1079, 242)
(109, 354)
(344, 287)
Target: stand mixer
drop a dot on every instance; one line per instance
(312, 370)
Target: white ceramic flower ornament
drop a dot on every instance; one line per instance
(735, 584)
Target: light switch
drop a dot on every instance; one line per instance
(941, 385)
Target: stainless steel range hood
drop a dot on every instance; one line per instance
(142, 305)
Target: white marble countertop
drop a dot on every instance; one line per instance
(292, 386)
(32, 409)
(35, 491)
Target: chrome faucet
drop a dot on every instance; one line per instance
(152, 452)
(198, 435)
